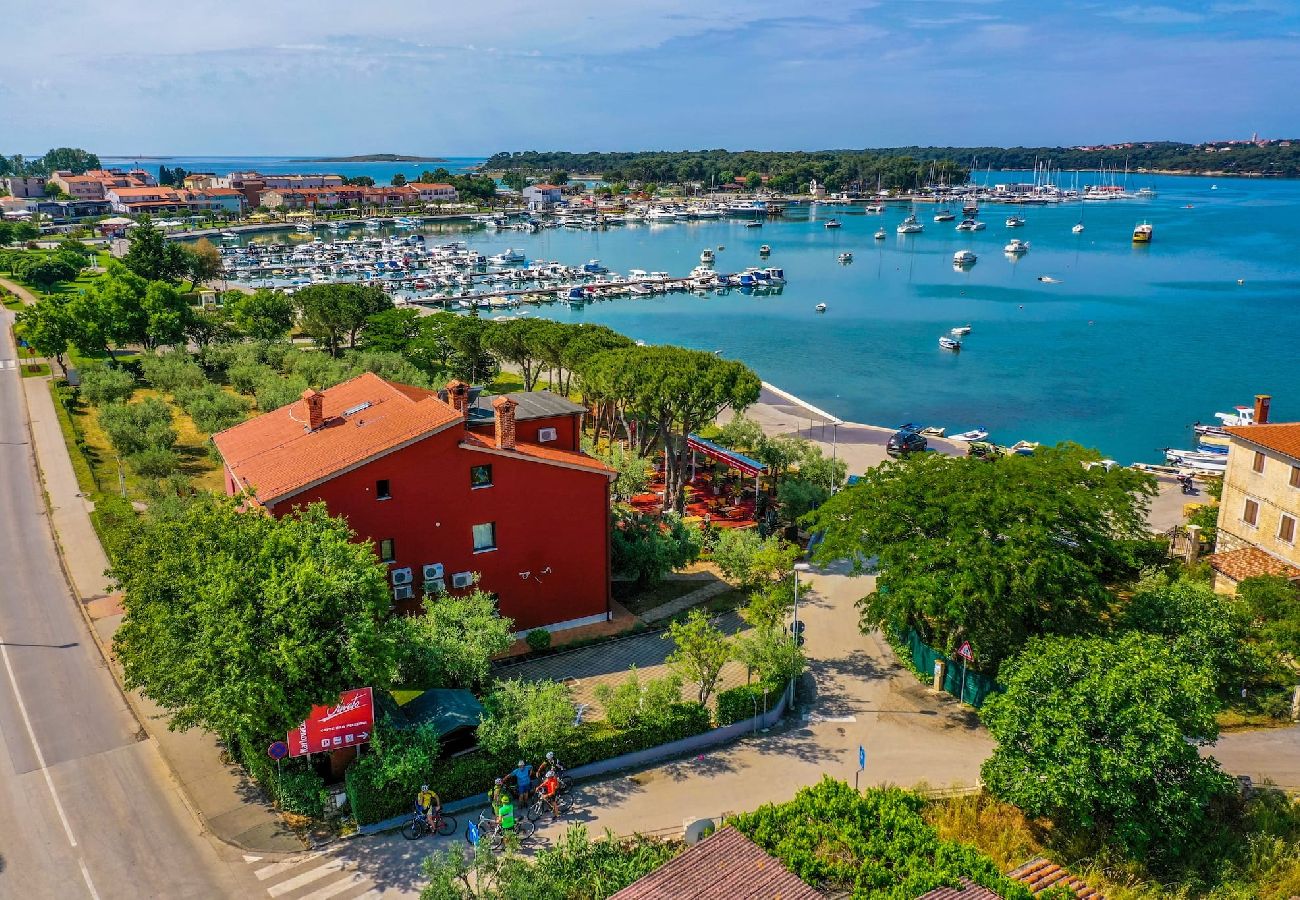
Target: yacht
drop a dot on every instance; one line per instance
(1077, 229)
(910, 226)
(881, 234)
(706, 255)
(302, 228)
(949, 343)
(970, 225)
(832, 223)
(874, 208)
(506, 257)
(1016, 247)
(775, 275)
(1015, 220)
(964, 258)
(820, 307)
(970, 208)
(845, 257)
(945, 216)
(764, 250)
(960, 331)
(1142, 233)
(229, 236)
(754, 224)
(1146, 193)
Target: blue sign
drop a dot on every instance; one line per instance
(471, 831)
(862, 757)
(278, 750)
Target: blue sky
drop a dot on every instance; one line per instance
(467, 78)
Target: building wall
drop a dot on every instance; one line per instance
(19, 186)
(1271, 489)
(568, 435)
(546, 517)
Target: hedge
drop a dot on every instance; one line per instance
(744, 702)
(294, 787)
(383, 783)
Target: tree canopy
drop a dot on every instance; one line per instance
(332, 313)
(152, 256)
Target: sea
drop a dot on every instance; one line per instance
(290, 165)
(1086, 337)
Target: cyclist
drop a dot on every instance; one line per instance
(549, 764)
(523, 776)
(498, 791)
(505, 811)
(428, 803)
(549, 790)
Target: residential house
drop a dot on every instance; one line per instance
(434, 193)
(1259, 507)
(294, 181)
(287, 198)
(28, 186)
(444, 491)
(541, 196)
(227, 200)
(79, 187)
(198, 181)
(135, 200)
(71, 210)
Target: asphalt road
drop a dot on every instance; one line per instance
(87, 805)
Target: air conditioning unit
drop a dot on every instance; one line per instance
(402, 576)
(435, 586)
(462, 579)
(546, 434)
(432, 571)
(403, 592)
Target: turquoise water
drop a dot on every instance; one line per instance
(1129, 348)
(281, 165)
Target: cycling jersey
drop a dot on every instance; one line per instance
(550, 786)
(426, 799)
(507, 814)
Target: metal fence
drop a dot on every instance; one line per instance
(977, 686)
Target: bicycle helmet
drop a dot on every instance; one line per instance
(424, 788)
(550, 756)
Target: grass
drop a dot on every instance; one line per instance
(1247, 720)
(81, 465)
(506, 383)
(35, 370)
(638, 600)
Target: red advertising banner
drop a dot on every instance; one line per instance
(335, 727)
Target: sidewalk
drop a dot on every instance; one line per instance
(219, 795)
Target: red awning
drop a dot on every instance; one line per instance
(729, 458)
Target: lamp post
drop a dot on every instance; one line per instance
(794, 626)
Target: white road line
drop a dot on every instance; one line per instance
(306, 878)
(252, 859)
(90, 885)
(338, 887)
(6, 364)
(285, 865)
(814, 718)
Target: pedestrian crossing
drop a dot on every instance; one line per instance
(319, 875)
(8, 364)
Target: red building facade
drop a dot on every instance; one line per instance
(445, 490)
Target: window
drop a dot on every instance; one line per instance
(1258, 464)
(1286, 530)
(485, 537)
(382, 491)
(386, 552)
(1250, 515)
(480, 477)
(1295, 476)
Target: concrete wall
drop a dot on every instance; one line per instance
(1271, 489)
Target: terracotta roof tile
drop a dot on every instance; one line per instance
(1284, 437)
(275, 455)
(1249, 562)
(968, 891)
(537, 452)
(724, 866)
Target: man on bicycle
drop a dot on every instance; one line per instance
(506, 814)
(523, 776)
(549, 790)
(428, 803)
(548, 765)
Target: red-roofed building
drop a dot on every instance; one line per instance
(724, 866)
(445, 488)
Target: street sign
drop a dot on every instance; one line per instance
(278, 750)
(965, 652)
(799, 627)
(862, 757)
(471, 832)
(335, 727)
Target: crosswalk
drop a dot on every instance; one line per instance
(321, 875)
(8, 364)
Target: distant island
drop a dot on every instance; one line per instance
(372, 157)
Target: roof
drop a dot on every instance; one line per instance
(1283, 437)
(572, 459)
(143, 191)
(533, 405)
(724, 866)
(740, 461)
(1248, 562)
(365, 417)
(1039, 874)
(446, 710)
(968, 891)
(545, 187)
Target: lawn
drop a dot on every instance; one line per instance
(638, 600)
(35, 370)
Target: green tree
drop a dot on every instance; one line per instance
(645, 548)
(753, 181)
(48, 328)
(700, 650)
(516, 181)
(392, 331)
(1100, 735)
(633, 702)
(518, 342)
(1274, 605)
(331, 313)
(48, 271)
(770, 654)
(152, 256)
(202, 262)
(452, 643)
(101, 385)
(632, 472)
(398, 180)
(25, 231)
(264, 315)
(135, 427)
(360, 181)
(527, 718)
(993, 552)
(69, 159)
(241, 622)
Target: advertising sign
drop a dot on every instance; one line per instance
(335, 727)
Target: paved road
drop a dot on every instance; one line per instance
(88, 809)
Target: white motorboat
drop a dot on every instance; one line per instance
(881, 234)
(960, 331)
(1241, 415)
(845, 257)
(970, 225)
(764, 250)
(874, 208)
(1016, 247)
(975, 434)
(507, 257)
(1015, 220)
(910, 226)
(706, 255)
(820, 307)
(832, 223)
(964, 258)
(945, 216)
(302, 228)
(1198, 458)
(949, 343)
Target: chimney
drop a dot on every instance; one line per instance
(504, 408)
(1261, 408)
(315, 401)
(458, 397)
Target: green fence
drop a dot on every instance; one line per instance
(923, 657)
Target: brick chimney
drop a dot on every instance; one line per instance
(458, 397)
(504, 409)
(315, 401)
(1262, 402)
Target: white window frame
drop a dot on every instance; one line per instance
(474, 536)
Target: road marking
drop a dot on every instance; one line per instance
(306, 878)
(40, 757)
(85, 874)
(252, 859)
(814, 718)
(6, 364)
(284, 866)
(336, 888)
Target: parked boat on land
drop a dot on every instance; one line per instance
(975, 434)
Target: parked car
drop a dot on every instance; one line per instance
(906, 440)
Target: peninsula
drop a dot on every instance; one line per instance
(372, 157)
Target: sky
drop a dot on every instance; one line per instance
(291, 77)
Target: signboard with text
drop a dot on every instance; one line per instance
(334, 727)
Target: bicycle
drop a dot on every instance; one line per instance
(491, 832)
(418, 827)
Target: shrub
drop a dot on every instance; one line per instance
(101, 385)
(211, 408)
(173, 372)
(273, 391)
(154, 462)
(302, 791)
(132, 427)
(527, 718)
(746, 701)
(114, 519)
(245, 376)
(538, 639)
(632, 703)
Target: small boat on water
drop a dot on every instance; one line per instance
(229, 236)
(1078, 229)
(961, 330)
(754, 224)
(832, 223)
(881, 234)
(945, 216)
(820, 307)
(975, 434)
(1142, 233)
(874, 208)
(762, 251)
(910, 225)
(1016, 247)
(1015, 220)
(964, 258)
(706, 255)
(302, 228)
(949, 343)
(970, 225)
(845, 257)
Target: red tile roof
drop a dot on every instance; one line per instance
(968, 891)
(536, 453)
(1249, 562)
(276, 456)
(1040, 874)
(724, 866)
(1284, 437)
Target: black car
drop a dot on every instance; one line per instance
(906, 440)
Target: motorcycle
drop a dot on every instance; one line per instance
(1188, 483)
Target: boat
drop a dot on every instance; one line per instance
(706, 255)
(820, 307)
(302, 228)
(845, 257)
(970, 225)
(964, 258)
(945, 216)
(881, 234)
(949, 343)
(874, 208)
(764, 250)
(1196, 459)
(1146, 193)
(910, 225)
(961, 331)
(832, 223)
(1024, 448)
(975, 434)
(1015, 220)
(754, 224)
(775, 275)
(970, 208)
(1142, 233)
(1078, 229)
(1016, 247)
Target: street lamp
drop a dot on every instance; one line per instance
(798, 567)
